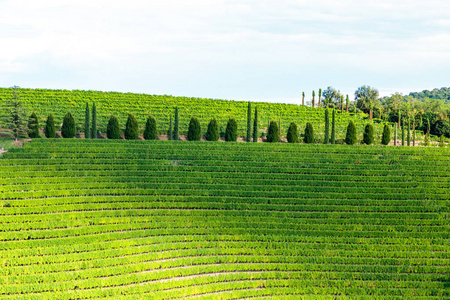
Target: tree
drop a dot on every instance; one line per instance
(272, 132)
(150, 129)
(33, 126)
(16, 116)
(94, 122)
(333, 128)
(231, 131)
(309, 134)
(131, 128)
(403, 133)
(395, 134)
(86, 122)
(342, 104)
(113, 129)
(176, 126)
(255, 126)
(303, 98)
(249, 122)
(346, 104)
(408, 137)
(365, 98)
(441, 141)
(170, 132)
(313, 100)
(212, 134)
(320, 95)
(394, 104)
(194, 131)
(68, 126)
(350, 137)
(49, 129)
(326, 139)
(386, 137)
(292, 135)
(332, 97)
(368, 134)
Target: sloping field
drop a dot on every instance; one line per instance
(83, 219)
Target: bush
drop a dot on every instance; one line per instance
(292, 134)
(68, 126)
(350, 137)
(49, 129)
(368, 134)
(213, 131)
(386, 138)
(131, 128)
(231, 131)
(150, 129)
(441, 141)
(33, 126)
(309, 134)
(194, 131)
(272, 132)
(441, 127)
(113, 129)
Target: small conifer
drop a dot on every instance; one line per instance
(33, 126)
(68, 127)
(255, 126)
(326, 139)
(131, 128)
(231, 131)
(368, 134)
(386, 138)
(272, 132)
(113, 129)
(150, 129)
(212, 134)
(49, 129)
(194, 131)
(350, 137)
(292, 134)
(309, 134)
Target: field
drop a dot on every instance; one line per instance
(82, 219)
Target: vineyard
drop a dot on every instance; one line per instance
(59, 102)
(82, 219)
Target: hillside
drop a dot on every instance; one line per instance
(82, 219)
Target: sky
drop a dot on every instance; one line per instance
(226, 49)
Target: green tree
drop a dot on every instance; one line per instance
(346, 104)
(255, 126)
(320, 95)
(326, 139)
(342, 104)
(366, 98)
(292, 135)
(403, 132)
(441, 141)
(386, 137)
(131, 128)
(309, 134)
(333, 127)
(368, 134)
(303, 98)
(94, 122)
(331, 97)
(249, 122)
(395, 134)
(33, 126)
(150, 129)
(350, 137)
(49, 129)
(194, 131)
(16, 116)
(231, 131)
(86, 122)
(272, 132)
(113, 129)
(68, 126)
(176, 126)
(313, 100)
(170, 132)
(408, 137)
(212, 134)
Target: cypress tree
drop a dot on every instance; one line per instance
(131, 128)
(212, 134)
(170, 132)
(350, 137)
(33, 126)
(94, 121)
(313, 96)
(113, 129)
(403, 133)
(333, 127)
(68, 126)
(368, 134)
(194, 131)
(150, 129)
(231, 131)
(346, 104)
(326, 139)
(395, 135)
(309, 134)
(272, 132)
(441, 141)
(255, 126)
(249, 122)
(386, 137)
(86, 122)
(176, 126)
(49, 129)
(303, 98)
(414, 132)
(408, 138)
(292, 135)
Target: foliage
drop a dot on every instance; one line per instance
(331, 98)
(176, 127)
(368, 134)
(68, 127)
(194, 132)
(15, 117)
(326, 139)
(441, 141)
(350, 136)
(366, 98)
(49, 129)
(150, 129)
(113, 128)
(272, 132)
(441, 127)
(292, 134)
(131, 128)
(33, 126)
(255, 126)
(87, 116)
(333, 128)
(386, 138)
(309, 134)
(94, 122)
(231, 133)
(170, 131)
(249, 122)
(212, 134)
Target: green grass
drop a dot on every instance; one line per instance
(85, 219)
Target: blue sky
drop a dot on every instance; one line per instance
(241, 50)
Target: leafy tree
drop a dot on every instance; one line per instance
(255, 126)
(150, 129)
(441, 127)
(332, 97)
(313, 100)
(49, 129)
(292, 135)
(194, 131)
(368, 134)
(131, 128)
(33, 126)
(86, 122)
(113, 129)
(333, 128)
(350, 137)
(170, 132)
(212, 134)
(231, 131)
(309, 134)
(94, 122)
(272, 132)
(386, 137)
(326, 140)
(176, 126)
(303, 98)
(68, 126)
(366, 97)
(249, 122)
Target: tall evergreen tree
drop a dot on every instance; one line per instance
(113, 128)
(368, 134)
(408, 138)
(131, 128)
(170, 132)
(194, 130)
(292, 134)
(33, 126)
(176, 126)
(272, 132)
(255, 126)
(249, 122)
(386, 138)
(403, 133)
(94, 122)
(333, 127)
(68, 127)
(16, 117)
(342, 104)
(313, 100)
(150, 129)
(212, 134)
(303, 98)
(320, 95)
(49, 129)
(395, 134)
(350, 137)
(309, 134)
(231, 131)
(326, 139)
(87, 128)
(346, 104)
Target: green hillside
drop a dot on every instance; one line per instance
(82, 219)
(59, 102)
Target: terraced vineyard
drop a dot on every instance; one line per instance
(83, 219)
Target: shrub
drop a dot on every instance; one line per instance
(150, 129)
(231, 131)
(368, 134)
(213, 131)
(33, 126)
(131, 128)
(386, 138)
(113, 129)
(68, 126)
(49, 129)
(194, 131)
(350, 137)
(441, 141)
(309, 134)
(292, 134)
(272, 132)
